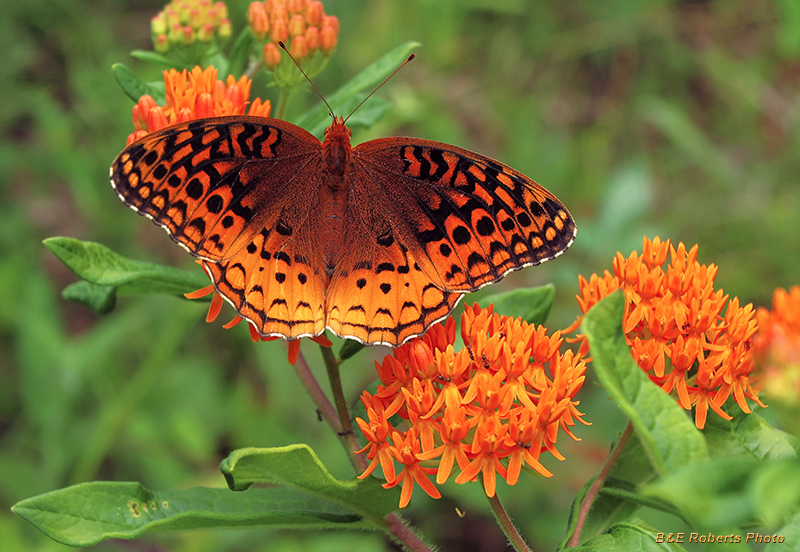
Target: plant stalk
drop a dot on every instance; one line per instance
(597, 484)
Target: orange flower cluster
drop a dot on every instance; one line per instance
(216, 306)
(186, 22)
(777, 345)
(490, 408)
(193, 95)
(302, 24)
(674, 325)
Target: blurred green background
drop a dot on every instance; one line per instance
(667, 118)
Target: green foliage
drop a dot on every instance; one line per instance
(531, 304)
(107, 272)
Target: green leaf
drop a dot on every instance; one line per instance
(240, 53)
(154, 57)
(85, 514)
(790, 534)
(133, 86)
(633, 536)
(350, 347)
(101, 266)
(531, 304)
(726, 492)
(668, 435)
(297, 466)
(101, 299)
(747, 434)
(318, 118)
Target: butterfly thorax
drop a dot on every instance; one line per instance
(335, 175)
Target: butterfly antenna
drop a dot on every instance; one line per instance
(283, 47)
(412, 56)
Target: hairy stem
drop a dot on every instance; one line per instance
(597, 484)
(510, 531)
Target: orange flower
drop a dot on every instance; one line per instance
(674, 326)
(313, 37)
(777, 346)
(500, 400)
(216, 306)
(193, 95)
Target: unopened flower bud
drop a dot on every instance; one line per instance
(187, 35)
(331, 21)
(295, 6)
(272, 56)
(205, 33)
(195, 18)
(176, 33)
(279, 12)
(222, 10)
(312, 38)
(225, 29)
(279, 32)
(259, 20)
(161, 44)
(173, 18)
(327, 40)
(299, 48)
(314, 13)
(158, 25)
(297, 25)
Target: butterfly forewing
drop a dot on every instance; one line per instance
(213, 184)
(467, 218)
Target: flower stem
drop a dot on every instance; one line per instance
(345, 431)
(597, 484)
(510, 531)
(405, 535)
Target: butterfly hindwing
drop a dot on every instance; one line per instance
(467, 218)
(275, 284)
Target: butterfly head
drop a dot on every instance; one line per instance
(338, 131)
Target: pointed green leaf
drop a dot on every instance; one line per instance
(747, 434)
(790, 537)
(633, 536)
(668, 435)
(729, 492)
(531, 304)
(350, 347)
(85, 514)
(99, 265)
(240, 53)
(156, 58)
(318, 118)
(133, 86)
(297, 466)
(101, 299)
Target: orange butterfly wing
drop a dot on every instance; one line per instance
(423, 223)
(434, 221)
(239, 193)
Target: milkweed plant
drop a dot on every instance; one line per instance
(485, 398)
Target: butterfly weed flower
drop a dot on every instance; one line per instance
(777, 347)
(689, 338)
(309, 33)
(489, 409)
(189, 31)
(195, 94)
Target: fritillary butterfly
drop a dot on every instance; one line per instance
(375, 243)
